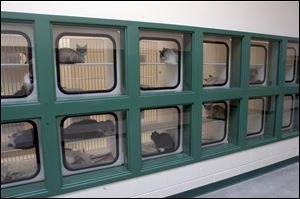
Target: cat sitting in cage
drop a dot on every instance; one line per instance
(169, 56)
(163, 142)
(26, 87)
(214, 111)
(70, 56)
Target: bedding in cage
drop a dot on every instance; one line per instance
(20, 153)
(215, 120)
(91, 142)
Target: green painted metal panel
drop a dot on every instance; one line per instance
(48, 108)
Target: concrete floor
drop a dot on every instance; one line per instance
(281, 183)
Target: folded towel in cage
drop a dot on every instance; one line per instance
(88, 129)
(22, 139)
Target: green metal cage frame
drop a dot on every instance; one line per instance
(47, 109)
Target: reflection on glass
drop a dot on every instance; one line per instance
(214, 122)
(19, 152)
(258, 63)
(215, 63)
(287, 118)
(256, 108)
(291, 62)
(160, 131)
(86, 63)
(16, 65)
(90, 141)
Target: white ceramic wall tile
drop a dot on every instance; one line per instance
(250, 167)
(264, 152)
(226, 174)
(294, 144)
(281, 147)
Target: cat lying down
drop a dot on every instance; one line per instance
(88, 129)
(22, 139)
(70, 56)
(215, 111)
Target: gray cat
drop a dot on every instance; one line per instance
(70, 56)
(163, 142)
(253, 76)
(89, 129)
(169, 56)
(214, 111)
(22, 139)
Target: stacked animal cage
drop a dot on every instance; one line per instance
(90, 141)
(95, 72)
(161, 131)
(19, 152)
(16, 64)
(160, 61)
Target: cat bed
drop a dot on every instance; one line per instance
(88, 129)
(213, 130)
(17, 170)
(78, 159)
(22, 139)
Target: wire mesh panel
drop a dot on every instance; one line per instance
(16, 65)
(215, 63)
(90, 141)
(19, 152)
(86, 63)
(160, 131)
(214, 122)
(288, 106)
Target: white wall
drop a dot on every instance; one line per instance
(278, 18)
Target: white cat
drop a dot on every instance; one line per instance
(169, 56)
(210, 80)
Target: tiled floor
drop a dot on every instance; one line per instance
(281, 183)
